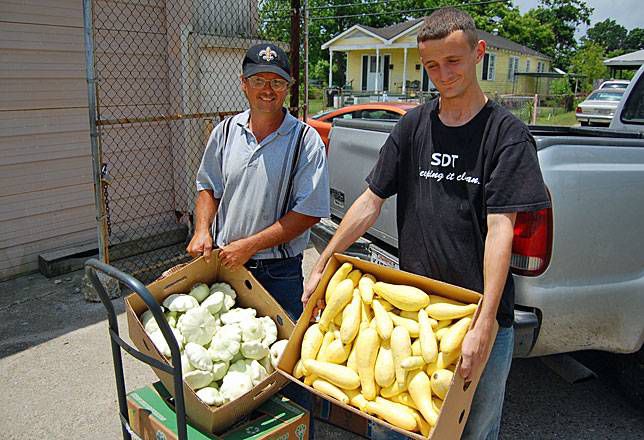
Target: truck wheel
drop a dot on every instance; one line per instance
(630, 376)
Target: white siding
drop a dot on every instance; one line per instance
(46, 194)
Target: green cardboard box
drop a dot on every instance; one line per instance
(152, 417)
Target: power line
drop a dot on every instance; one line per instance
(461, 5)
(400, 12)
(352, 4)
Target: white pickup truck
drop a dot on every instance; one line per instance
(578, 267)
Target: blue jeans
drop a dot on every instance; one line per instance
(283, 279)
(484, 420)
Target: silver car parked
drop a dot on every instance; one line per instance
(599, 107)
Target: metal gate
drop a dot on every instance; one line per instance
(161, 74)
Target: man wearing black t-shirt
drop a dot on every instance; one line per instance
(461, 167)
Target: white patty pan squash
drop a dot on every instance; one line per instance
(197, 326)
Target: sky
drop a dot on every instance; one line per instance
(628, 13)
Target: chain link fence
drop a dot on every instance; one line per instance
(166, 72)
(538, 109)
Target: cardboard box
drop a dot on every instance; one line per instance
(458, 400)
(349, 421)
(249, 294)
(152, 417)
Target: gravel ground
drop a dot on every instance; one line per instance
(56, 376)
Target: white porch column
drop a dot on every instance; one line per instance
(330, 67)
(377, 68)
(404, 85)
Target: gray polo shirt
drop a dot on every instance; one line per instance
(258, 183)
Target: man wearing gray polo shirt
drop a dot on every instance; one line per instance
(262, 183)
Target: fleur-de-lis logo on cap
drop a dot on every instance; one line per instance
(268, 54)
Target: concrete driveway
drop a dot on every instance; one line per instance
(57, 378)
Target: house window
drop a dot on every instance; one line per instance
(541, 66)
(527, 65)
(489, 67)
(513, 67)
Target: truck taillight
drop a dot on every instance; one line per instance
(532, 243)
(578, 110)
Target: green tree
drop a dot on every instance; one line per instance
(588, 61)
(537, 29)
(563, 17)
(608, 34)
(560, 86)
(527, 29)
(634, 40)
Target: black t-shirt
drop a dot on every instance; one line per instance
(447, 180)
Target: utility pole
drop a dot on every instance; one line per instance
(306, 60)
(295, 57)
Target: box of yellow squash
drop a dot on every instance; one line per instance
(386, 347)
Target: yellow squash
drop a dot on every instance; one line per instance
(392, 412)
(339, 275)
(330, 390)
(445, 359)
(401, 349)
(385, 373)
(420, 391)
(454, 336)
(404, 399)
(367, 343)
(355, 276)
(338, 375)
(384, 323)
(340, 297)
(326, 341)
(441, 311)
(428, 345)
(365, 285)
(440, 382)
(436, 299)
(311, 342)
(351, 319)
(411, 325)
(402, 297)
(412, 363)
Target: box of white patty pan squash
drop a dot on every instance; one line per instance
(451, 415)
(152, 417)
(250, 293)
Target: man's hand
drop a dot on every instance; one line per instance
(474, 347)
(201, 244)
(309, 287)
(237, 253)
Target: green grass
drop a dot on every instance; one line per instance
(316, 106)
(565, 119)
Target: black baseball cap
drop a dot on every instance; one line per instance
(266, 57)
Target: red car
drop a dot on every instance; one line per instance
(375, 110)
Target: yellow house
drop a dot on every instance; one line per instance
(386, 59)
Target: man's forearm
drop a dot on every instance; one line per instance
(496, 263)
(205, 210)
(361, 216)
(284, 230)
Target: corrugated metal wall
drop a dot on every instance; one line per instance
(46, 193)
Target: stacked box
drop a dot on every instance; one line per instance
(152, 417)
